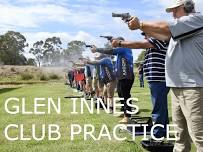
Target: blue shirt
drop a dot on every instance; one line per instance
(154, 63)
(106, 70)
(124, 63)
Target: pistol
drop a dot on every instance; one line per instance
(124, 16)
(88, 46)
(109, 38)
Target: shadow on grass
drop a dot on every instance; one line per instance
(135, 91)
(145, 110)
(22, 82)
(4, 90)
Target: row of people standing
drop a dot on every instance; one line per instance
(154, 70)
(177, 65)
(122, 76)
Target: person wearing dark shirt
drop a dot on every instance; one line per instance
(88, 78)
(71, 77)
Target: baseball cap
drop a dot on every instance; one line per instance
(120, 38)
(176, 3)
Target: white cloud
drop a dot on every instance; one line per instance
(35, 16)
(35, 13)
(31, 16)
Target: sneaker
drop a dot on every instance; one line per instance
(154, 142)
(160, 146)
(87, 97)
(125, 120)
(111, 111)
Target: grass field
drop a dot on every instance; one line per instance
(64, 120)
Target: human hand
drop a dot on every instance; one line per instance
(134, 23)
(115, 43)
(94, 49)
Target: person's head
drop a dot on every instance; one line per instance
(181, 8)
(120, 38)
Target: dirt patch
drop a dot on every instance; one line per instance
(29, 74)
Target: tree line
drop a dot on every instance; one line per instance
(48, 52)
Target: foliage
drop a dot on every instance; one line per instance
(43, 77)
(140, 58)
(52, 50)
(74, 51)
(48, 52)
(31, 62)
(12, 45)
(26, 76)
(54, 76)
(37, 51)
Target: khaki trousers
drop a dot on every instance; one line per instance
(187, 114)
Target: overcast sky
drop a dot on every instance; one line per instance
(78, 19)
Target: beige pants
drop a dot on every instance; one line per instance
(187, 114)
(89, 81)
(111, 89)
(108, 92)
(94, 83)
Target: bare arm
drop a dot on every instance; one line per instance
(158, 29)
(108, 51)
(144, 44)
(79, 64)
(92, 62)
(78, 67)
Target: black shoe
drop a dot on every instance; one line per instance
(157, 146)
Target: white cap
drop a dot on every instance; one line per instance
(176, 3)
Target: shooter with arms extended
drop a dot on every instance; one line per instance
(184, 69)
(124, 75)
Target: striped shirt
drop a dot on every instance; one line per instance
(154, 63)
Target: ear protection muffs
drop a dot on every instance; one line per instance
(189, 6)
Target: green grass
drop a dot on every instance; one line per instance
(64, 120)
